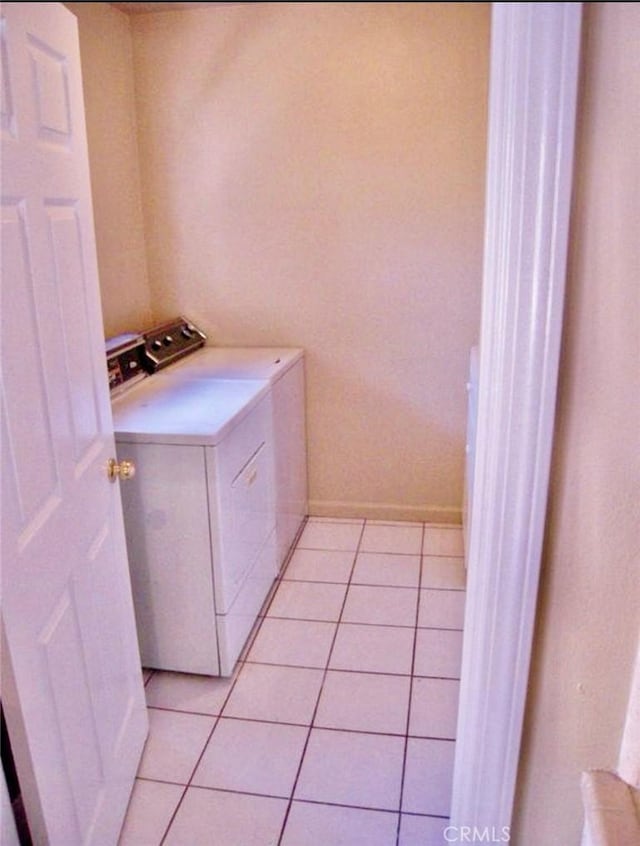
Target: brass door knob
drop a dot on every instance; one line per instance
(123, 470)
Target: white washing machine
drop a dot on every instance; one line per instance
(284, 368)
(200, 511)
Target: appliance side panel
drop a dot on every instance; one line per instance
(289, 432)
(168, 541)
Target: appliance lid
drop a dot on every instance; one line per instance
(240, 363)
(174, 410)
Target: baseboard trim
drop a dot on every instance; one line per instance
(385, 511)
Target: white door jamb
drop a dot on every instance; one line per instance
(533, 85)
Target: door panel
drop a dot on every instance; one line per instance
(71, 288)
(61, 646)
(32, 451)
(51, 93)
(74, 698)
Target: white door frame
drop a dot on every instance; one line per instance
(533, 87)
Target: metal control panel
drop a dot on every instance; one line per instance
(170, 342)
(125, 361)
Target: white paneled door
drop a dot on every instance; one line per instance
(71, 680)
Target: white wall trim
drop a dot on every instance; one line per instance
(533, 82)
(385, 511)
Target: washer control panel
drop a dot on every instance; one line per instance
(171, 341)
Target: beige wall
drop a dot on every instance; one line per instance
(589, 610)
(107, 72)
(313, 175)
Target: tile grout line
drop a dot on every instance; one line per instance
(365, 808)
(361, 623)
(336, 669)
(341, 670)
(236, 791)
(382, 552)
(409, 705)
(216, 720)
(324, 677)
(350, 671)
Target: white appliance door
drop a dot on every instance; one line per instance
(243, 473)
(71, 680)
(250, 497)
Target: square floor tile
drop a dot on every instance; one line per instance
(373, 649)
(364, 702)
(277, 694)
(308, 601)
(385, 568)
(252, 757)
(294, 642)
(364, 770)
(226, 819)
(428, 777)
(183, 692)
(392, 537)
(423, 831)
(174, 745)
(438, 653)
(383, 606)
(443, 572)
(441, 609)
(326, 535)
(434, 708)
(151, 807)
(443, 541)
(328, 825)
(320, 565)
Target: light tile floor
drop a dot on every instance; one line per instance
(338, 725)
